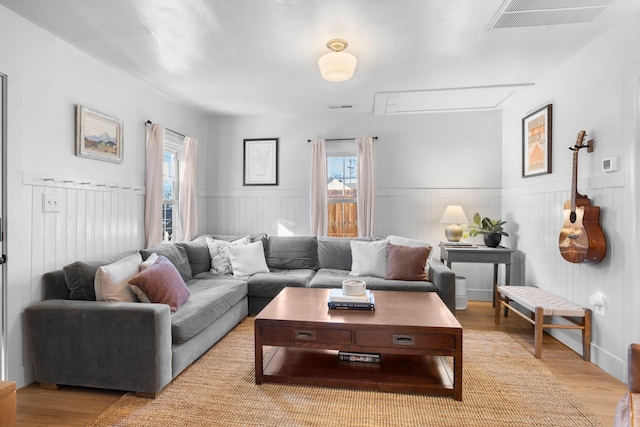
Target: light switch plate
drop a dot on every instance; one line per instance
(50, 203)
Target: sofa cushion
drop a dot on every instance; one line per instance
(331, 278)
(80, 276)
(174, 253)
(247, 260)
(112, 280)
(406, 262)
(369, 258)
(198, 254)
(161, 283)
(219, 253)
(335, 252)
(270, 284)
(292, 252)
(211, 297)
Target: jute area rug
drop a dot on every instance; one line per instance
(503, 385)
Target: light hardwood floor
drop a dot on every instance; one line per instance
(600, 392)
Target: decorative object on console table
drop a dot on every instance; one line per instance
(453, 215)
(581, 238)
(260, 161)
(98, 136)
(536, 142)
(491, 229)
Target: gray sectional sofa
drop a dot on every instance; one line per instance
(141, 347)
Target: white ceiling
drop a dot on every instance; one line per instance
(235, 57)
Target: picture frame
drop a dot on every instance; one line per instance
(98, 135)
(536, 142)
(260, 161)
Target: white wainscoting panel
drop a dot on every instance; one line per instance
(535, 221)
(412, 213)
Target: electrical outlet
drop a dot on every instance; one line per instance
(50, 203)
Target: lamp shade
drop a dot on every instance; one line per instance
(337, 66)
(454, 214)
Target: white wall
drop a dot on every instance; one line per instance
(47, 79)
(423, 163)
(593, 91)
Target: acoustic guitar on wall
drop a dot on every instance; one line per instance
(581, 238)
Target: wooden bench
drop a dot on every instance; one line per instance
(542, 303)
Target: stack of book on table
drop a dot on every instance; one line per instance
(355, 302)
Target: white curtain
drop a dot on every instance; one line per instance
(365, 186)
(153, 197)
(187, 192)
(318, 193)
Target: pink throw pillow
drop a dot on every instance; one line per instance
(161, 283)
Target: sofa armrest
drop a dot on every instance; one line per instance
(444, 279)
(120, 346)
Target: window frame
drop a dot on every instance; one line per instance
(173, 144)
(342, 150)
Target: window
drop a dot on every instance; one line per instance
(170, 165)
(342, 193)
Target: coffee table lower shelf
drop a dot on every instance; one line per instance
(396, 372)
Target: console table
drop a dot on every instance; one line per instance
(480, 254)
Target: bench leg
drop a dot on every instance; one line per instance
(497, 306)
(586, 336)
(538, 332)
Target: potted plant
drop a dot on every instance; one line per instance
(490, 228)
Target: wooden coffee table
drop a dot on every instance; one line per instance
(413, 331)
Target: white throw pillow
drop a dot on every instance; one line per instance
(112, 280)
(148, 262)
(369, 258)
(248, 260)
(404, 241)
(219, 253)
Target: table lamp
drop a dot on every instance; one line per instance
(455, 216)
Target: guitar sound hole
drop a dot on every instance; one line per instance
(572, 217)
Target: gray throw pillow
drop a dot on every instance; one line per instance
(292, 252)
(174, 253)
(198, 254)
(335, 252)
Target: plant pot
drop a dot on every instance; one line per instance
(492, 240)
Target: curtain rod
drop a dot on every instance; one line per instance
(149, 122)
(341, 139)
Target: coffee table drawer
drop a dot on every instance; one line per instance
(404, 340)
(306, 335)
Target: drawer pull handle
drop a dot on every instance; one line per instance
(404, 339)
(306, 335)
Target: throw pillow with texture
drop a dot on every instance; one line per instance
(404, 241)
(369, 258)
(219, 252)
(406, 263)
(248, 260)
(111, 282)
(161, 283)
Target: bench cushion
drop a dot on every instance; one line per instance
(531, 297)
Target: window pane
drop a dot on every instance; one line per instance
(167, 222)
(167, 188)
(342, 194)
(342, 220)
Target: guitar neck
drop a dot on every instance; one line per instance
(574, 181)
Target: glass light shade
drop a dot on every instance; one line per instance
(337, 66)
(454, 214)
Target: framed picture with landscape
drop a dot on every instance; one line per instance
(536, 142)
(260, 161)
(98, 135)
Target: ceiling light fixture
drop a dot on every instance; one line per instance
(337, 66)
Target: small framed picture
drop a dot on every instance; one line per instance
(536, 142)
(260, 161)
(98, 135)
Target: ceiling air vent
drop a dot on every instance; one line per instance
(533, 13)
(339, 107)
